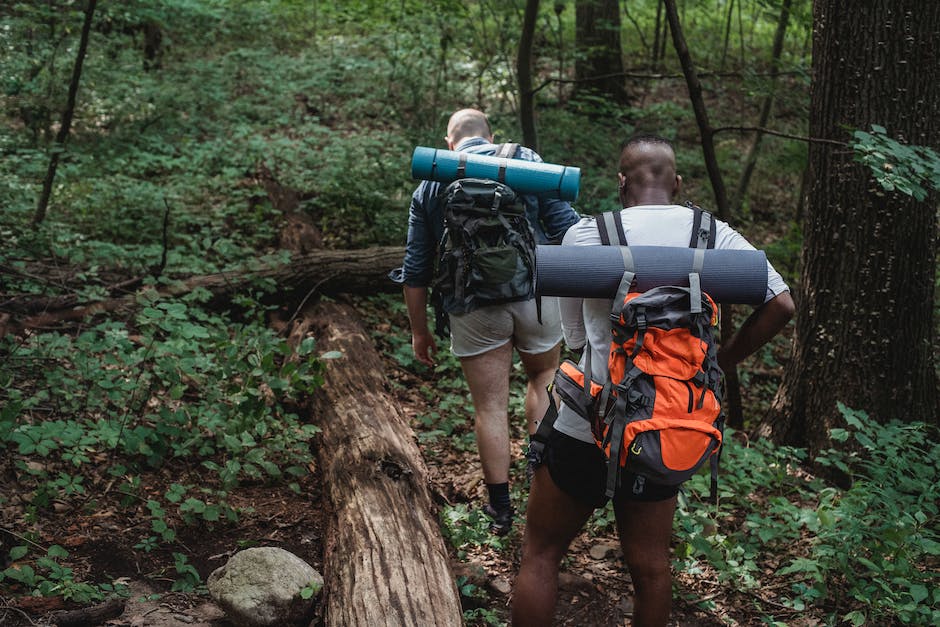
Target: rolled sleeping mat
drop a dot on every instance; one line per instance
(525, 177)
(728, 276)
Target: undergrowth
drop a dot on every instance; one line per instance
(790, 541)
(178, 386)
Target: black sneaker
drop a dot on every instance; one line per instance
(501, 522)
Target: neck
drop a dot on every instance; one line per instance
(647, 197)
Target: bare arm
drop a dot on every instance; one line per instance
(422, 341)
(766, 321)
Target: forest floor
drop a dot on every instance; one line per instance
(594, 587)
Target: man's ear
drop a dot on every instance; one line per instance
(678, 187)
(622, 188)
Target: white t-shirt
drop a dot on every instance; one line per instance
(645, 225)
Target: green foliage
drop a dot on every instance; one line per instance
(45, 576)
(179, 385)
(911, 170)
(473, 595)
(328, 99)
(865, 550)
(465, 526)
(310, 590)
(890, 514)
(184, 382)
(188, 578)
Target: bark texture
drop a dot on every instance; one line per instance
(387, 563)
(865, 311)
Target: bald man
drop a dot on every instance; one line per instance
(570, 483)
(484, 339)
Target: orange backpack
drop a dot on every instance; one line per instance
(658, 413)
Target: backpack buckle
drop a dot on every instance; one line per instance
(497, 199)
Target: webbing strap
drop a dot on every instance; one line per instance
(698, 260)
(615, 436)
(704, 233)
(602, 231)
(461, 165)
(703, 228)
(538, 439)
(695, 293)
(626, 281)
(587, 367)
(504, 152)
(497, 199)
(610, 222)
(618, 225)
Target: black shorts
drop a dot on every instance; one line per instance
(580, 470)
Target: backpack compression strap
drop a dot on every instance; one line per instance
(703, 236)
(503, 151)
(607, 223)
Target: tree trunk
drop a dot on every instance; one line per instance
(654, 58)
(599, 61)
(524, 69)
(63, 134)
(386, 562)
(724, 49)
(864, 317)
(735, 414)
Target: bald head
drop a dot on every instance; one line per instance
(468, 123)
(648, 172)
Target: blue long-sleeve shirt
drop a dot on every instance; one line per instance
(548, 217)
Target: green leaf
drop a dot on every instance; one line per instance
(193, 505)
(57, 551)
(17, 552)
(918, 592)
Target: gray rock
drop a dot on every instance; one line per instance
(263, 586)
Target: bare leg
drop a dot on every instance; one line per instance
(645, 530)
(540, 370)
(488, 379)
(553, 520)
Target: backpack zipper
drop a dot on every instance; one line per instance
(691, 395)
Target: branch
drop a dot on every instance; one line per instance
(758, 129)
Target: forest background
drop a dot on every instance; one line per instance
(231, 138)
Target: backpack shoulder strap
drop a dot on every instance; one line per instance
(703, 228)
(611, 222)
(504, 151)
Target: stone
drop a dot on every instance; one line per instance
(262, 587)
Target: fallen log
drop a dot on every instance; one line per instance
(386, 562)
(318, 272)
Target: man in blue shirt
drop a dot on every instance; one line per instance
(484, 338)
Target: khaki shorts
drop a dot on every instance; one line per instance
(490, 327)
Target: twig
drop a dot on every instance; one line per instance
(767, 131)
(309, 294)
(7, 606)
(24, 539)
